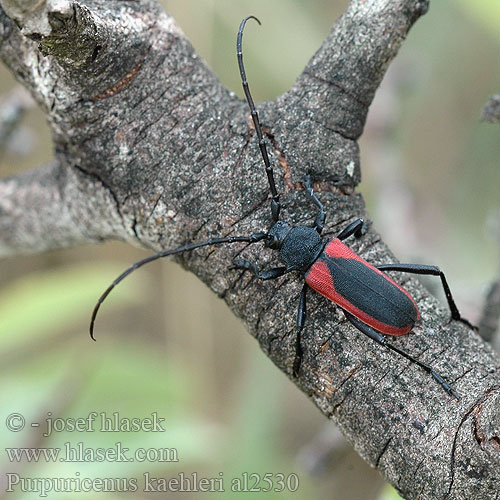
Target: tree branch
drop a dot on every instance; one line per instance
(12, 110)
(163, 155)
(49, 208)
(490, 315)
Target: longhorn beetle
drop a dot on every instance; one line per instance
(371, 301)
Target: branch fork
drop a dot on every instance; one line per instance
(151, 148)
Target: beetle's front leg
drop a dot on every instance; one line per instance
(270, 274)
(355, 228)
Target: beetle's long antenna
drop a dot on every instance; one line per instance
(253, 238)
(275, 203)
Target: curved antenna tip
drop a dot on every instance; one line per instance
(192, 246)
(251, 17)
(94, 315)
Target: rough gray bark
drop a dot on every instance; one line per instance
(12, 110)
(491, 110)
(152, 149)
(490, 315)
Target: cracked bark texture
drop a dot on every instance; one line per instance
(150, 148)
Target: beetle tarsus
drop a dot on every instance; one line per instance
(447, 387)
(270, 274)
(380, 339)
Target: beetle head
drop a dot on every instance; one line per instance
(277, 234)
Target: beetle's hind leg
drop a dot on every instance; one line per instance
(432, 271)
(301, 319)
(380, 339)
(319, 222)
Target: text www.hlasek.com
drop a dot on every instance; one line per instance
(79, 453)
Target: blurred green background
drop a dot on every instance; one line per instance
(167, 345)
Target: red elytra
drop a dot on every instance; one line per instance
(361, 289)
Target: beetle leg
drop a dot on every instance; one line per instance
(319, 222)
(432, 271)
(270, 274)
(301, 319)
(355, 228)
(380, 339)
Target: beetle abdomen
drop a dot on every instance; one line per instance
(355, 285)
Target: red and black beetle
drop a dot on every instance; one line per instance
(370, 299)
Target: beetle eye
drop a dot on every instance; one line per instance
(272, 241)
